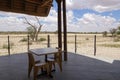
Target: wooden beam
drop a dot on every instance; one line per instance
(59, 25)
(41, 3)
(11, 4)
(31, 1)
(65, 30)
(27, 7)
(47, 3)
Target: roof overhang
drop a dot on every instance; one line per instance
(31, 7)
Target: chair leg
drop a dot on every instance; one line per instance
(35, 72)
(54, 65)
(54, 68)
(50, 66)
(60, 65)
(49, 69)
(29, 70)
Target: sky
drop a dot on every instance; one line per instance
(82, 16)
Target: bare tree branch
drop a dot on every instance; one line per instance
(33, 35)
(40, 26)
(27, 22)
(38, 20)
(36, 29)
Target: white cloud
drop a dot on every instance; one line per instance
(87, 23)
(11, 24)
(70, 16)
(97, 5)
(90, 22)
(100, 8)
(15, 22)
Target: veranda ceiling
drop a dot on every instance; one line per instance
(32, 7)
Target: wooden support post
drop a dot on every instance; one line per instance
(75, 43)
(95, 45)
(28, 42)
(65, 30)
(8, 45)
(48, 41)
(59, 24)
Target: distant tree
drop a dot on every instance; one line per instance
(33, 30)
(113, 31)
(104, 34)
(118, 30)
(118, 27)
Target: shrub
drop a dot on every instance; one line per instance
(86, 38)
(24, 40)
(5, 46)
(116, 39)
(118, 32)
(30, 43)
(42, 39)
(104, 34)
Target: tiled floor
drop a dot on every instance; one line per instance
(78, 67)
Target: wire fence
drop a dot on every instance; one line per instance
(86, 44)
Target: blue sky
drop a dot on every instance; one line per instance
(82, 16)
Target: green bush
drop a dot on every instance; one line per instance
(5, 46)
(86, 38)
(42, 39)
(104, 34)
(118, 32)
(24, 40)
(30, 43)
(116, 39)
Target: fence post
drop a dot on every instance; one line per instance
(48, 45)
(75, 43)
(8, 45)
(28, 43)
(95, 45)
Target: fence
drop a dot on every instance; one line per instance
(14, 44)
(86, 44)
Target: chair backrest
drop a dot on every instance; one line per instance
(31, 59)
(58, 56)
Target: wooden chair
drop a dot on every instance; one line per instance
(56, 59)
(36, 65)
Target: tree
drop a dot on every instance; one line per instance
(118, 30)
(113, 31)
(118, 27)
(104, 34)
(33, 30)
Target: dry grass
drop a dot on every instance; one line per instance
(111, 45)
(85, 44)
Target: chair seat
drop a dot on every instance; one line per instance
(51, 59)
(37, 61)
(40, 64)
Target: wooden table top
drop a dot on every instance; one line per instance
(44, 51)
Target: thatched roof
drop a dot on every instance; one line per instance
(32, 7)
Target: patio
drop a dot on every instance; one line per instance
(78, 67)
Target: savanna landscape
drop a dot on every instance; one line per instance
(106, 47)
